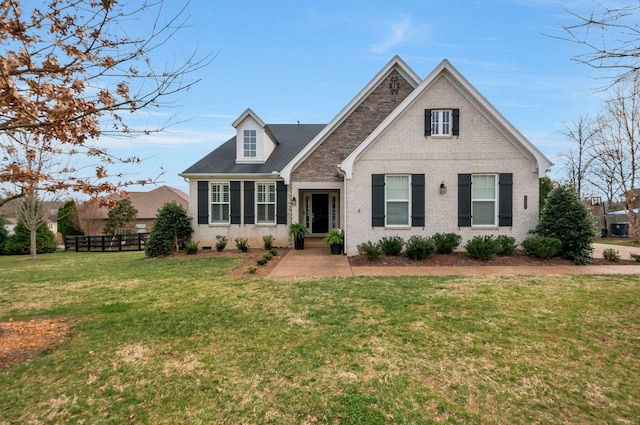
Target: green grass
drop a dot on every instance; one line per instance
(176, 341)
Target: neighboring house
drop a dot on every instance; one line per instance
(94, 218)
(406, 156)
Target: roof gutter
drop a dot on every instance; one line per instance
(342, 174)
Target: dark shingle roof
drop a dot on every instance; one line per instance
(291, 139)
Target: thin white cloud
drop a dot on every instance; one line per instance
(397, 34)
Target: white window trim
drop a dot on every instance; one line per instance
(211, 203)
(439, 123)
(274, 203)
(246, 134)
(494, 200)
(386, 203)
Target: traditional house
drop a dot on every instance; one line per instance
(406, 156)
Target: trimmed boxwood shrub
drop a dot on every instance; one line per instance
(507, 244)
(446, 243)
(420, 247)
(542, 246)
(391, 245)
(483, 247)
(370, 249)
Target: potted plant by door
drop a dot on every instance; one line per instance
(298, 231)
(334, 240)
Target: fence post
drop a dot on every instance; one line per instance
(77, 244)
(119, 242)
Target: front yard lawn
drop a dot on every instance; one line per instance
(179, 341)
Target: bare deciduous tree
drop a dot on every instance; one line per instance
(619, 145)
(611, 37)
(69, 72)
(577, 162)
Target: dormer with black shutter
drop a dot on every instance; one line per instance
(254, 143)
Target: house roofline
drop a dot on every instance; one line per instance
(248, 112)
(275, 175)
(540, 162)
(395, 63)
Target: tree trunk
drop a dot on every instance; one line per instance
(33, 246)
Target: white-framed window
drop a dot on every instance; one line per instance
(484, 190)
(249, 144)
(266, 203)
(397, 200)
(219, 203)
(441, 122)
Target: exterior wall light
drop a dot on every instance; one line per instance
(294, 202)
(443, 188)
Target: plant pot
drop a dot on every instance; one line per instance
(298, 243)
(336, 248)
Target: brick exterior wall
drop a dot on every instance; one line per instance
(404, 149)
(320, 166)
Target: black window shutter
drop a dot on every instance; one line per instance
(234, 199)
(249, 202)
(417, 200)
(203, 202)
(505, 209)
(377, 200)
(281, 203)
(464, 200)
(456, 122)
(427, 122)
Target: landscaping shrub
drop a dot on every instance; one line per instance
(507, 244)
(567, 218)
(267, 256)
(611, 254)
(372, 250)
(252, 270)
(242, 244)
(262, 261)
(542, 246)
(635, 257)
(418, 247)
(446, 243)
(391, 245)
(221, 243)
(20, 242)
(483, 247)
(191, 247)
(268, 241)
(4, 235)
(273, 252)
(171, 230)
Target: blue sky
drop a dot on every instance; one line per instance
(304, 61)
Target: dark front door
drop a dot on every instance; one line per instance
(320, 205)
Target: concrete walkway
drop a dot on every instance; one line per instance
(316, 261)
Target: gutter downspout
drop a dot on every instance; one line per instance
(344, 216)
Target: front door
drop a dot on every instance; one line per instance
(320, 213)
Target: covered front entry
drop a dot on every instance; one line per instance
(320, 211)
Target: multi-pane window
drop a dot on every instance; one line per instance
(219, 203)
(249, 143)
(266, 203)
(483, 200)
(397, 195)
(441, 122)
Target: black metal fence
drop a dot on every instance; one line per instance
(131, 242)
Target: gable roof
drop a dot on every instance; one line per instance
(397, 64)
(290, 139)
(539, 162)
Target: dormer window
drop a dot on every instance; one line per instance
(250, 143)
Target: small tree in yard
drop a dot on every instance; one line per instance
(567, 218)
(68, 221)
(121, 216)
(171, 229)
